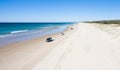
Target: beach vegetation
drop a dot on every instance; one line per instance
(106, 21)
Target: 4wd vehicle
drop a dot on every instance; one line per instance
(49, 39)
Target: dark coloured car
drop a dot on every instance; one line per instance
(71, 28)
(49, 39)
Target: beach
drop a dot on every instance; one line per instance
(85, 47)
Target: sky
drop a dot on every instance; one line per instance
(58, 10)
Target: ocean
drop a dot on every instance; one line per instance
(16, 32)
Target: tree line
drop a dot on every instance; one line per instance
(105, 21)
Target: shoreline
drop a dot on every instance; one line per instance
(28, 53)
(31, 36)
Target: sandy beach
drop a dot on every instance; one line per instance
(86, 47)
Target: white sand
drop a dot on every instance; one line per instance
(84, 48)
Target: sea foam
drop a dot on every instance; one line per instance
(19, 31)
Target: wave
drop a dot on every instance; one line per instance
(51, 27)
(1, 36)
(18, 31)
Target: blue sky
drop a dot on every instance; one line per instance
(58, 10)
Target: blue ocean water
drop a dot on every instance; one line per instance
(15, 32)
(7, 28)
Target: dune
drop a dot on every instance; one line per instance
(86, 47)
